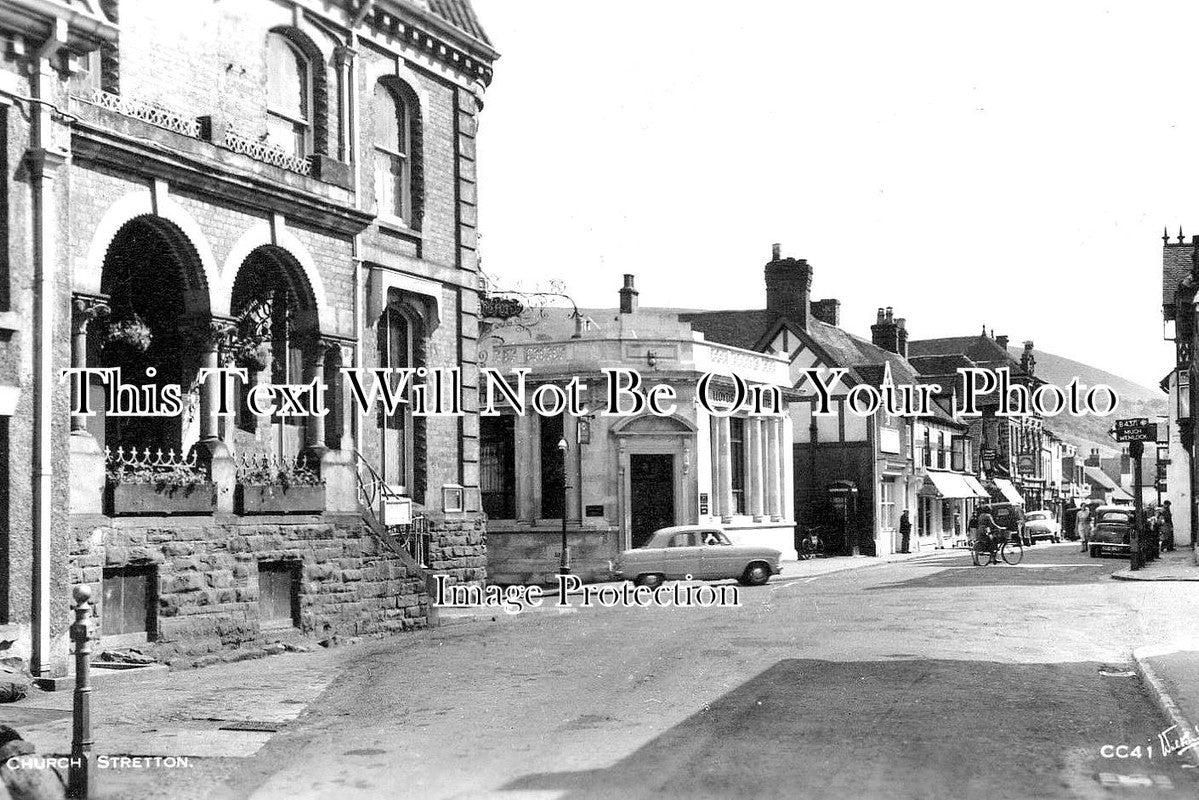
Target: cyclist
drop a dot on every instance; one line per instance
(987, 529)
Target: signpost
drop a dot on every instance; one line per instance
(1135, 432)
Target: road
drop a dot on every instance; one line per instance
(927, 678)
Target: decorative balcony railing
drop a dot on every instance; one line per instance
(147, 112)
(272, 469)
(146, 466)
(240, 142)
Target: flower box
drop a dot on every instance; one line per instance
(151, 500)
(253, 498)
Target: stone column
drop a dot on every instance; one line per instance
(526, 440)
(725, 491)
(774, 467)
(343, 58)
(85, 308)
(755, 476)
(345, 400)
(211, 337)
(314, 370)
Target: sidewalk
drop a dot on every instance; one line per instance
(1176, 565)
(1171, 674)
(204, 720)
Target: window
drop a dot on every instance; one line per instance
(130, 600)
(394, 140)
(395, 352)
(941, 450)
(887, 505)
(737, 457)
(278, 593)
(689, 539)
(289, 82)
(497, 465)
(553, 486)
(928, 448)
(959, 454)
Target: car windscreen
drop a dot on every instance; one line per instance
(1114, 518)
(1037, 515)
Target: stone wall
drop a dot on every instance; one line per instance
(530, 556)
(207, 577)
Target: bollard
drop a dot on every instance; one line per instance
(82, 777)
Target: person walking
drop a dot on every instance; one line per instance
(905, 532)
(1084, 525)
(1167, 527)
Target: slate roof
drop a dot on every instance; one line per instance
(1097, 477)
(982, 350)
(461, 15)
(737, 328)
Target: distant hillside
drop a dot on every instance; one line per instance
(1089, 432)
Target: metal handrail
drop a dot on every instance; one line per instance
(369, 492)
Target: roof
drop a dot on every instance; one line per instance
(1176, 265)
(461, 15)
(737, 328)
(1097, 477)
(981, 349)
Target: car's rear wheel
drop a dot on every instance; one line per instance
(651, 579)
(756, 574)
(1094, 551)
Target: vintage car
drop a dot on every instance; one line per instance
(1042, 525)
(1010, 517)
(1112, 531)
(701, 552)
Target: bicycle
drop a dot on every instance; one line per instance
(809, 544)
(988, 549)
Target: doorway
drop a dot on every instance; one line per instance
(651, 489)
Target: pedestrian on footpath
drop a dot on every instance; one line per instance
(1167, 527)
(1084, 526)
(905, 532)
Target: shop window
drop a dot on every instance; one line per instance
(553, 487)
(737, 457)
(279, 593)
(497, 465)
(129, 604)
(289, 95)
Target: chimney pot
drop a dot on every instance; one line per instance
(888, 313)
(776, 250)
(628, 296)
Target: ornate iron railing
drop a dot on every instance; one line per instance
(272, 468)
(152, 113)
(413, 537)
(241, 142)
(147, 466)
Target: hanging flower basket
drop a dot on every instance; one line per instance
(131, 333)
(251, 354)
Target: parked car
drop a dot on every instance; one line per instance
(1112, 530)
(702, 552)
(1042, 525)
(1010, 517)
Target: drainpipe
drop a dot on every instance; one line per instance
(43, 158)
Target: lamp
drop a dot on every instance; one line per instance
(563, 568)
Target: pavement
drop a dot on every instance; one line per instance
(901, 680)
(1180, 564)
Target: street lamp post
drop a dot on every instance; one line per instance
(563, 564)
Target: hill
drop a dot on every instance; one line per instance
(1089, 432)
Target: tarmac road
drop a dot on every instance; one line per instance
(927, 678)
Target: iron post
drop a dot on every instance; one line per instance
(563, 562)
(82, 774)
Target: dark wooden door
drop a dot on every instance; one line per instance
(651, 478)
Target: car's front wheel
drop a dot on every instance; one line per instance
(756, 574)
(651, 579)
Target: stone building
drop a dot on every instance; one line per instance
(623, 476)
(284, 187)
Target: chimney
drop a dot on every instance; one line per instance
(1093, 458)
(788, 287)
(901, 336)
(886, 332)
(1028, 362)
(1000, 340)
(628, 296)
(827, 311)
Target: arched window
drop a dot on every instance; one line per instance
(289, 82)
(395, 150)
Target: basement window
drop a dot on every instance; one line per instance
(279, 593)
(127, 611)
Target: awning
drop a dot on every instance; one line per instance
(979, 491)
(950, 485)
(1008, 491)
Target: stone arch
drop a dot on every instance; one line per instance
(652, 425)
(158, 204)
(321, 95)
(398, 71)
(294, 255)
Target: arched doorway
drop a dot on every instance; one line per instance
(276, 338)
(154, 281)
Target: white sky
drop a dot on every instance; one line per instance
(1011, 164)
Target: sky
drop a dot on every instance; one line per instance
(1004, 164)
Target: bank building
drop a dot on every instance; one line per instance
(611, 481)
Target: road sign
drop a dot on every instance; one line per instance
(1135, 429)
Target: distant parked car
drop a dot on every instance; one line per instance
(1010, 517)
(702, 551)
(1112, 531)
(1042, 525)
